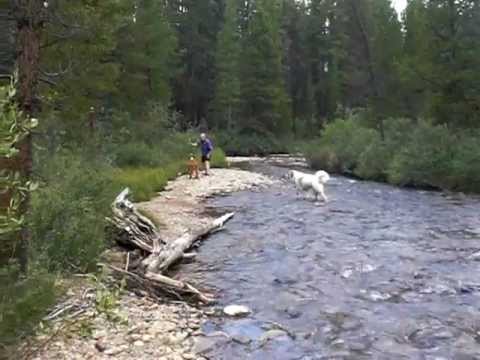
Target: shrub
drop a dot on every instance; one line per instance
(321, 157)
(219, 159)
(171, 148)
(347, 139)
(135, 154)
(23, 300)
(425, 159)
(68, 211)
(373, 161)
(340, 146)
(465, 166)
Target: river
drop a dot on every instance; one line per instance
(378, 272)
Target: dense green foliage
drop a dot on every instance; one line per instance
(23, 300)
(423, 155)
(68, 211)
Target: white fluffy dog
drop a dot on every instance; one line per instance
(310, 182)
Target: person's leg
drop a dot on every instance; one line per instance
(207, 167)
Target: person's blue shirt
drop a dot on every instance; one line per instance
(206, 147)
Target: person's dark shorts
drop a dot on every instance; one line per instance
(205, 158)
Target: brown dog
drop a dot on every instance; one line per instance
(192, 165)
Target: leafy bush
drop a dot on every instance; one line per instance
(322, 157)
(425, 159)
(412, 154)
(340, 146)
(23, 300)
(347, 139)
(219, 159)
(465, 165)
(135, 154)
(376, 158)
(373, 161)
(68, 212)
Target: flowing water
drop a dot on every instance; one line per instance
(377, 273)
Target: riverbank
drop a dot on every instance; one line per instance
(97, 323)
(181, 207)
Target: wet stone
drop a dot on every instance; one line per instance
(241, 339)
(204, 345)
(272, 334)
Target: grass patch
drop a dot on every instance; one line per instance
(146, 182)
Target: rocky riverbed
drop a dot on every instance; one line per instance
(378, 272)
(96, 322)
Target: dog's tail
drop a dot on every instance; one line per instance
(322, 176)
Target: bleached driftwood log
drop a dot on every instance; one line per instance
(132, 229)
(175, 251)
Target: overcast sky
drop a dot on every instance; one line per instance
(400, 5)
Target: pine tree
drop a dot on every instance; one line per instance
(227, 87)
(413, 88)
(386, 45)
(79, 68)
(453, 68)
(147, 52)
(198, 23)
(265, 108)
(297, 64)
(363, 39)
(319, 45)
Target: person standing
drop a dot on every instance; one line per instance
(206, 149)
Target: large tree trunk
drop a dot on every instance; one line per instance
(28, 15)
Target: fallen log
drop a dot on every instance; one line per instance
(179, 286)
(175, 251)
(156, 284)
(132, 229)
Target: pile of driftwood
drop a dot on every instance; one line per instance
(148, 256)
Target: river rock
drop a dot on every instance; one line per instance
(99, 334)
(100, 346)
(378, 296)
(236, 310)
(189, 356)
(347, 273)
(146, 338)
(475, 256)
(178, 338)
(116, 350)
(293, 313)
(241, 339)
(272, 334)
(206, 344)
